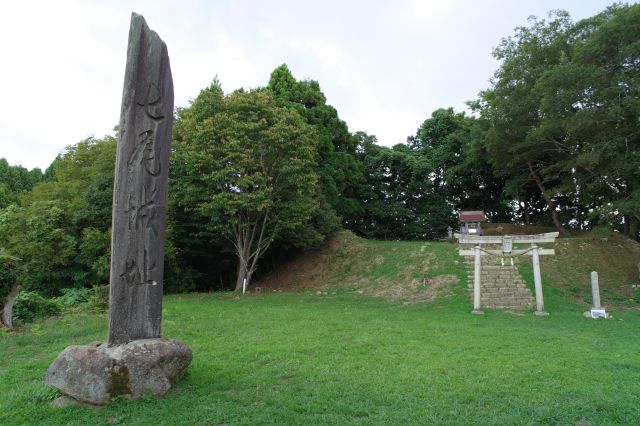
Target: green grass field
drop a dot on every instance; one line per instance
(375, 333)
(347, 359)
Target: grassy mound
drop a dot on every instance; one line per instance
(408, 270)
(423, 271)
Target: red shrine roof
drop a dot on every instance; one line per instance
(472, 216)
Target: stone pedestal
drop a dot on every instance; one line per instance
(96, 373)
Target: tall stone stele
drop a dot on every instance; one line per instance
(135, 360)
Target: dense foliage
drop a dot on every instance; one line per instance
(60, 230)
(258, 175)
(245, 167)
(563, 114)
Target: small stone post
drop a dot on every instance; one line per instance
(449, 232)
(476, 282)
(595, 290)
(597, 311)
(537, 279)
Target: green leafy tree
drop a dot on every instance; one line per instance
(247, 166)
(16, 181)
(513, 109)
(38, 235)
(399, 196)
(563, 110)
(591, 108)
(60, 229)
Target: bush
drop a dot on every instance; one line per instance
(72, 297)
(30, 305)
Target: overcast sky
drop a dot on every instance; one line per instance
(384, 65)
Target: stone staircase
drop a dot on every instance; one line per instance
(501, 287)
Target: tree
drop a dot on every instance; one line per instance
(513, 109)
(564, 109)
(451, 146)
(60, 229)
(246, 165)
(338, 168)
(16, 181)
(591, 108)
(399, 195)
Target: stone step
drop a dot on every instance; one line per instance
(506, 284)
(489, 287)
(502, 286)
(511, 276)
(498, 280)
(504, 295)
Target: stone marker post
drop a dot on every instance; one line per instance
(140, 189)
(595, 290)
(537, 280)
(597, 311)
(135, 359)
(476, 281)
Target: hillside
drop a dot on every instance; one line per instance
(421, 271)
(408, 270)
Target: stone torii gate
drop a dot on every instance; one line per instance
(507, 242)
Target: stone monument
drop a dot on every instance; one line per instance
(135, 360)
(597, 311)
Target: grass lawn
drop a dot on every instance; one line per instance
(343, 358)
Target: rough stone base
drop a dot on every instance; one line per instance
(95, 373)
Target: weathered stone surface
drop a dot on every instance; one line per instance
(95, 373)
(140, 189)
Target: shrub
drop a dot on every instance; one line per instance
(30, 305)
(72, 297)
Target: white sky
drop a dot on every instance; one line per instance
(384, 65)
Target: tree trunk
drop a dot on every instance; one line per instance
(242, 274)
(6, 315)
(552, 206)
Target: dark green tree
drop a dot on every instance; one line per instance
(451, 146)
(338, 168)
(399, 195)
